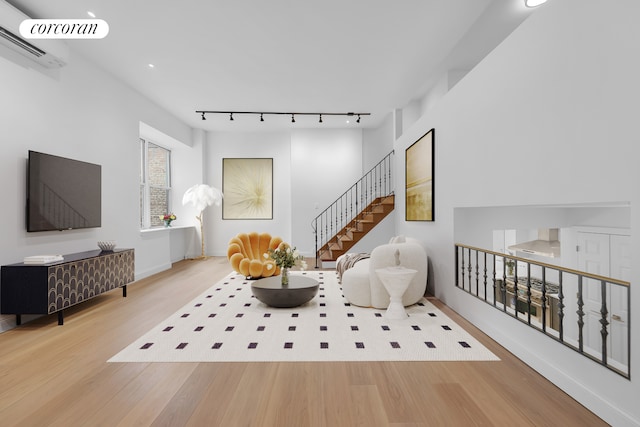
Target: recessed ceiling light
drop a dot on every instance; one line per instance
(533, 3)
(91, 14)
(151, 66)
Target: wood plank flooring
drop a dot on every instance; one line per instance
(54, 375)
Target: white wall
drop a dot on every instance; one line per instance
(275, 145)
(324, 164)
(377, 143)
(310, 167)
(82, 113)
(547, 118)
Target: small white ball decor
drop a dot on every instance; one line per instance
(107, 245)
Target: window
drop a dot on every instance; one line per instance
(155, 183)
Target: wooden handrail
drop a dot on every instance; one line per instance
(552, 266)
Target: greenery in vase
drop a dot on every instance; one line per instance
(284, 256)
(510, 263)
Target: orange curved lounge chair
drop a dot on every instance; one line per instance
(246, 254)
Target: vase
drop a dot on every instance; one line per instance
(285, 277)
(167, 223)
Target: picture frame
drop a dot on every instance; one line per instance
(247, 185)
(419, 179)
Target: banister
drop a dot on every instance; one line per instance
(348, 205)
(573, 310)
(552, 266)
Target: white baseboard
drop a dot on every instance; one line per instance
(152, 271)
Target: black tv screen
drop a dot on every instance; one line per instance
(62, 194)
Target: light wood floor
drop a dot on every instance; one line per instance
(54, 375)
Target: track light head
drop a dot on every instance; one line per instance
(261, 118)
(293, 118)
(230, 116)
(358, 121)
(203, 118)
(320, 121)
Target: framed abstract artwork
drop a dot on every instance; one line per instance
(247, 185)
(419, 190)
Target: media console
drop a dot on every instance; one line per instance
(50, 288)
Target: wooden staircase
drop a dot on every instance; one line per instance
(357, 228)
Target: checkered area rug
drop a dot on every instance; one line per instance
(228, 324)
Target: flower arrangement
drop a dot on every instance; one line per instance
(285, 257)
(167, 218)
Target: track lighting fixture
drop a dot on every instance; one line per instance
(293, 115)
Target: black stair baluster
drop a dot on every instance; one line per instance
(485, 276)
(379, 186)
(370, 199)
(528, 293)
(543, 300)
(580, 314)
(462, 272)
(515, 289)
(477, 274)
(341, 218)
(560, 309)
(504, 284)
(332, 221)
(357, 201)
(351, 203)
(469, 268)
(494, 280)
(315, 238)
(603, 320)
(384, 173)
(457, 265)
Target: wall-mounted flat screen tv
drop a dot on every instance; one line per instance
(62, 193)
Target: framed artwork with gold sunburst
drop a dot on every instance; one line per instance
(247, 185)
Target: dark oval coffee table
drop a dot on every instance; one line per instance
(270, 291)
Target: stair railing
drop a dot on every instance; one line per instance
(346, 209)
(583, 311)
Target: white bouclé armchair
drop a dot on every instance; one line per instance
(361, 285)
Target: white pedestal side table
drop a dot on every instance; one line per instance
(396, 281)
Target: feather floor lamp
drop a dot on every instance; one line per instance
(201, 196)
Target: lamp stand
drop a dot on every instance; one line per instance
(202, 255)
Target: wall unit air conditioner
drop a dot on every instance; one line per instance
(49, 53)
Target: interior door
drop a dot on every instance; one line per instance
(593, 257)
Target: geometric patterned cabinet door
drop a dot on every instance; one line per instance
(50, 288)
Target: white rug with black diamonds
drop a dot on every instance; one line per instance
(228, 324)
